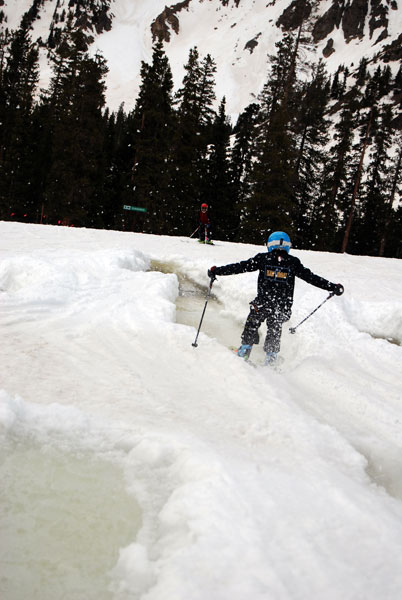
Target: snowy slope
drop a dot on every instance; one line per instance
(191, 473)
(223, 29)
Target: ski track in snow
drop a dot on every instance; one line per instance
(252, 482)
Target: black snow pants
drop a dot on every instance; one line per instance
(274, 316)
(205, 232)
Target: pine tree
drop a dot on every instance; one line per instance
(216, 190)
(5, 38)
(191, 138)
(241, 162)
(335, 86)
(118, 152)
(393, 240)
(153, 121)
(312, 137)
(73, 112)
(274, 176)
(376, 189)
(352, 202)
(344, 84)
(337, 183)
(19, 78)
(362, 74)
(391, 232)
(397, 86)
(197, 95)
(378, 85)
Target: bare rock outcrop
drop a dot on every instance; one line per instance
(329, 48)
(294, 15)
(330, 20)
(251, 44)
(168, 20)
(354, 18)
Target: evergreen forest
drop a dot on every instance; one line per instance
(318, 156)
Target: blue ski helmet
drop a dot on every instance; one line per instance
(279, 240)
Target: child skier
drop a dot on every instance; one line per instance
(204, 231)
(273, 304)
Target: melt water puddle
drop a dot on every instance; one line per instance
(63, 518)
(384, 469)
(190, 304)
(391, 340)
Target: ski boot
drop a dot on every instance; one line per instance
(244, 351)
(270, 358)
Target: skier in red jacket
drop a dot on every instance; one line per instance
(204, 231)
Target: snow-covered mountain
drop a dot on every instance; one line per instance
(239, 35)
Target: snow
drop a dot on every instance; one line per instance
(193, 474)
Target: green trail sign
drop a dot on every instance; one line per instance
(136, 208)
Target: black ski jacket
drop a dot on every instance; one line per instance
(276, 278)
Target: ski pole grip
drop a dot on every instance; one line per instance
(211, 274)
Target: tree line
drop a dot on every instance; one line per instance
(316, 156)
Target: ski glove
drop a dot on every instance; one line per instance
(211, 273)
(338, 289)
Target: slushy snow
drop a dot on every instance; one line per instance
(245, 482)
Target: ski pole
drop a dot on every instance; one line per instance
(195, 231)
(203, 312)
(293, 329)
